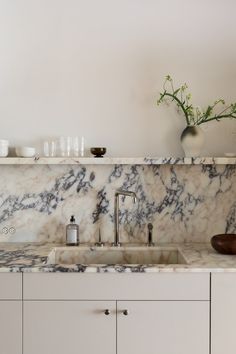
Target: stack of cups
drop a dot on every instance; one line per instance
(4, 144)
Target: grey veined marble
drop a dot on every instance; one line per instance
(184, 202)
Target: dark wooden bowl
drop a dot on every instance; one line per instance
(98, 151)
(224, 243)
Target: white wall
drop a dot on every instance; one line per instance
(94, 67)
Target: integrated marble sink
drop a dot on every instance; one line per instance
(115, 256)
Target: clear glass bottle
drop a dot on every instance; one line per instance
(72, 233)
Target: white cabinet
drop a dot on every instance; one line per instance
(69, 327)
(72, 327)
(167, 313)
(66, 313)
(10, 327)
(10, 314)
(166, 327)
(223, 310)
(123, 286)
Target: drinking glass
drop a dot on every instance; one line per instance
(82, 143)
(71, 146)
(76, 147)
(65, 144)
(49, 148)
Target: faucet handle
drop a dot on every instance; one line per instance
(99, 243)
(150, 235)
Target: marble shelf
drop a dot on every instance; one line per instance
(119, 161)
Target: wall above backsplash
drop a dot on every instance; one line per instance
(186, 203)
(95, 68)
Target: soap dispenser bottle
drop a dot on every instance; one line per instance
(72, 233)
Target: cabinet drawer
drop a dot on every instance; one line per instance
(75, 286)
(10, 286)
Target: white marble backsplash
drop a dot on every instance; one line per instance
(184, 202)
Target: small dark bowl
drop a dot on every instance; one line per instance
(98, 151)
(224, 243)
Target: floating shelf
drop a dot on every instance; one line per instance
(119, 161)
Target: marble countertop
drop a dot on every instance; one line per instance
(33, 257)
(119, 161)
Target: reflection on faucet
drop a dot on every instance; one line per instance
(150, 237)
(116, 213)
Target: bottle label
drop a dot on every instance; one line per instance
(71, 236)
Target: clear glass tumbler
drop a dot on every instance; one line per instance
(49, 148)
(82, 147)
(76, 146)
(65, 144)
(71, 146)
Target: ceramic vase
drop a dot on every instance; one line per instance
(192, 140)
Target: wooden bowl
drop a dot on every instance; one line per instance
(98, 151)
(224, 243)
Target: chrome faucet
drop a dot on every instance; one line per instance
(116, 213)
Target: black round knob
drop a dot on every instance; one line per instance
(107, 312)
(125, 312)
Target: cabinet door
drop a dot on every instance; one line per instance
(223, 312)
(165, 327)
(69, 327)
(10, 327)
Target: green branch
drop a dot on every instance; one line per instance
(223, 116)
(179, 103)
(194, 114)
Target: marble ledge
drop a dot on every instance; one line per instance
(119, 161)
(33, 257)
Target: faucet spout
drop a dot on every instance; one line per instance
(126, 194)
(133, 195)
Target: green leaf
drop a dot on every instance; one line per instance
(208, 111)
(176, 92)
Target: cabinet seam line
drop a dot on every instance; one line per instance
(210, 313)
(116, 328)
(22, 316)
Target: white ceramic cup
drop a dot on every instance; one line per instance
(4, 144)
(25, 151)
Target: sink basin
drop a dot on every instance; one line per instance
(115, 256)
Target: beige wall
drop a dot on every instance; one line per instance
(94, 68)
